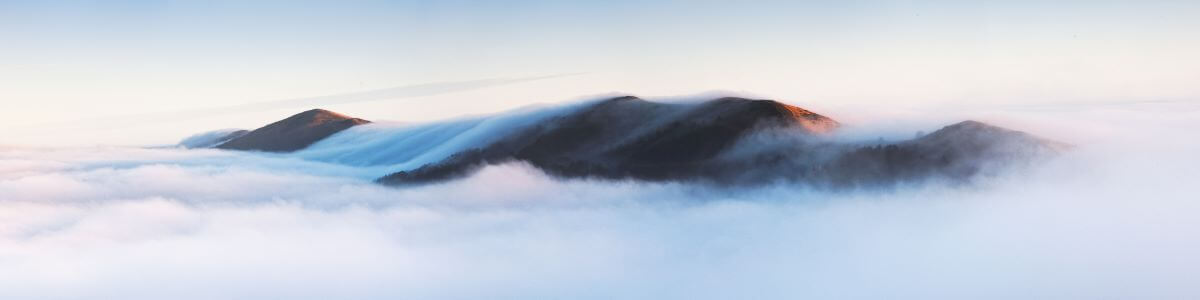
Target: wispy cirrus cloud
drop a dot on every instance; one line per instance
(385, 94)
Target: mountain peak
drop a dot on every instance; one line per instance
(980, 135)
(316, 112)
(295, 132)
(756, 110)
(320, 115)
(972, 127)
(623, 99)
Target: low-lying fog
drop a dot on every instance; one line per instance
(1115, 218)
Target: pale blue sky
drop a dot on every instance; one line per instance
(70, 60)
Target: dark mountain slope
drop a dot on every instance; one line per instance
(293, 133)
(629, 137)
(954, 153)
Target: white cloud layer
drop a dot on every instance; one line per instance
(1113, 219)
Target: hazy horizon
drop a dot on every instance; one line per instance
(73, 61)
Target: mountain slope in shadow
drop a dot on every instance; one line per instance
(956, 153)
(293, 133)
(630, 138)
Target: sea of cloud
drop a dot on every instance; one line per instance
(1115, 218)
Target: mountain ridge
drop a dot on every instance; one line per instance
(627, 137)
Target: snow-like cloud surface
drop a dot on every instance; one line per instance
(1115, 218)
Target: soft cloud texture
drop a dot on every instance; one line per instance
(1112, 219)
